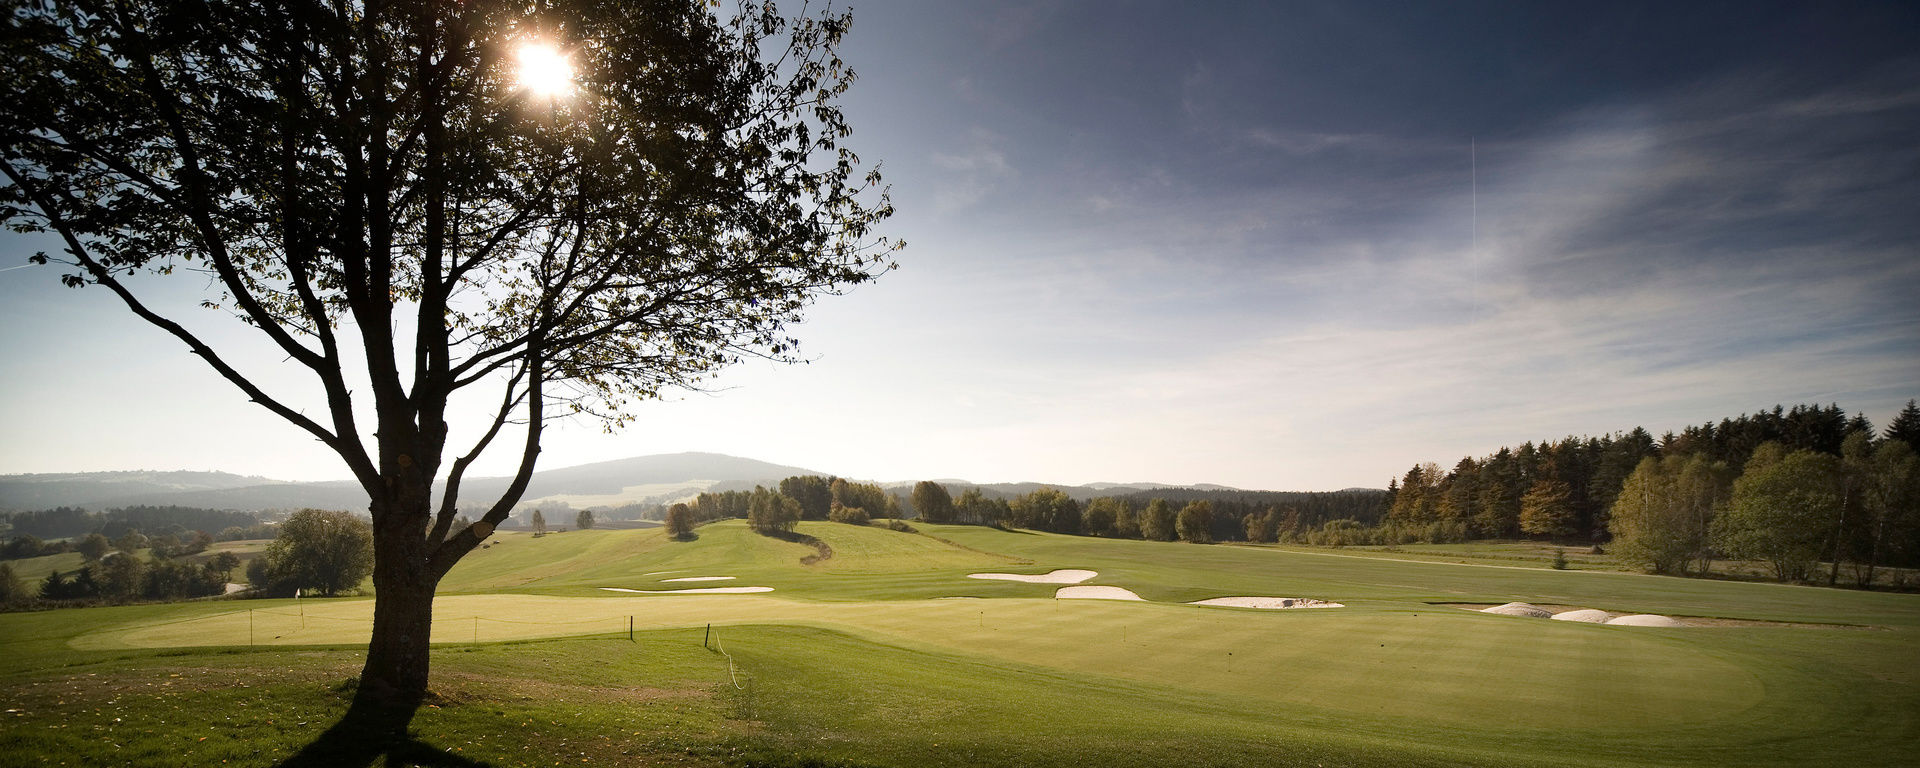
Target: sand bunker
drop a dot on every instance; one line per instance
(701, 578)
(1269, 603)
(699, 591)
(1519, 609)
(1588, 615)
(1645, 620)
(1069, 576)
(1094, 593)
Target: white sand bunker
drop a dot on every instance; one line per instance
(699, 591)
(1269, 603)
(1588, 615)
(1644, 620)
(1519, 609)
(1068, 576)
(701, 578)
(1095, 593)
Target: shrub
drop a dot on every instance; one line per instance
(848, 515)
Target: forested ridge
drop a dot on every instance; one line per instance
(1743, 487)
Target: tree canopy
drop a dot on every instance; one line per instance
(322, 551)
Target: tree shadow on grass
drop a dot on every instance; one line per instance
(361, 740)
(822, 551)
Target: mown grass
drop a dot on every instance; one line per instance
(849, 661)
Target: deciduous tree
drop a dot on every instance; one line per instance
(93, 546)
(1546, 510)
(1157, 522)
(1195, 521)
(680, 521)
(1783, 512)
(322, 551)
(931, 502)
(405, 222)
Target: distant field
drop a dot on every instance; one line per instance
(858, 659)
(33, 570)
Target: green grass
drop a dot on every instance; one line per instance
(853, 660)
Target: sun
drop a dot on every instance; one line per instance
(544, 70)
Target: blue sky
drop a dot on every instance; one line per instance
(1270, 245)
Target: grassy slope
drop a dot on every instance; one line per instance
(1052, 681)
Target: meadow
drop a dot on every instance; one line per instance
(887, 654)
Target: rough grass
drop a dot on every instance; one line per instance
(849, 662)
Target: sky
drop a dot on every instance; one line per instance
(1284, 246)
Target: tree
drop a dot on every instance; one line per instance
(1126, 525)
(1546, 510)
(680, 522)
(841, 513)
(327, 551)
(974, 508)
(130, 542)
(1102, 516)
(932, 503)
(13, 591)
(771, 512)
(815, 494)
(584, 520)
(1046, 509)
(1497, 506)
(1783, 513)
(1157, 523)
(1905, 427)
(120, 577)
(1194, 522)
(1892, 506)
(1662, 514)
(539, 523)
(406, 224)
(1849, 530)
(223, 563)
(93, 546)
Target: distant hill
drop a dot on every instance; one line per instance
(654, 479)
(643, 479)
(1077, 492)
(104, 489)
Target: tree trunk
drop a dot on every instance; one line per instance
(393, 683)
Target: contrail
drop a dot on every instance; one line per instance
(23, 266)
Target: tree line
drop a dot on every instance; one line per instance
(777, 510)
(66, 522)
(1206, 516)
(313, 551)
(1792, 487)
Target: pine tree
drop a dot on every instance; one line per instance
(1906, 427)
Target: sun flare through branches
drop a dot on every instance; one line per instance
(544, 70)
